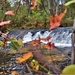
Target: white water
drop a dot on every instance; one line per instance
(12, 2)
(61, 37)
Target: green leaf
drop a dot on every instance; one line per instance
(69, 70)
(39, 1)
(1, 43)
(69, 2)
(14, 45)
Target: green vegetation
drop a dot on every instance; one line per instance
(37, 18)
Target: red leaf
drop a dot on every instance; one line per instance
(35, 42)
(50, 45)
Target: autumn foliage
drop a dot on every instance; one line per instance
(49, 45)
(24, 57)
(55, 19)
(37, 42)
(34, 3)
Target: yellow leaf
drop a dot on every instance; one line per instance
(37, 67)
(34, 64)
(20, 42)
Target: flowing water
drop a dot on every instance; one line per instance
(60, 36)
(12, 2)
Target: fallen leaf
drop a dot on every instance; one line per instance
(24, 57)
(34, 64)
(20, 42)
(49, 45)
(14, 73)
(35, 42)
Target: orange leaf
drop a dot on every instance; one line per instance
(14, 73)
(54, 25)
(34, 3)
(55, 20)
(11, 12)
(24, 57)
(61, 15)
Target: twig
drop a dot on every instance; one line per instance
(29, 69)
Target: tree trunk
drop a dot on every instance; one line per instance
(73, 45)
(73, 48)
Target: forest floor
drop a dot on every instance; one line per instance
(55, 58)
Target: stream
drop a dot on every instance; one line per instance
(60, 36)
